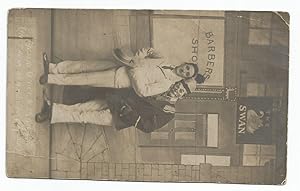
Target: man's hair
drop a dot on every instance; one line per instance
(200, 79)
(196, 68)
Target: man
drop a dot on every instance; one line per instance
(122, 108)
(146, 72)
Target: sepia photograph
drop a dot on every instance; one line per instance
(147, 95)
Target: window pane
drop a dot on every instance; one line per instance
(252, 89)
(274, 90)
(184, 136)
(260, 20)
(159, 135)
(250, 149)
(259, 37)
(268, 150)
(186, 116)
(250, 161)
(256, 89)
(263, 160)
(218, 160)
(185, 124)
(192, 159)
(212, 130)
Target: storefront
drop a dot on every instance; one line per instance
(228, 51)
(202, 129)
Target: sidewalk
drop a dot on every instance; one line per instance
(29, 35)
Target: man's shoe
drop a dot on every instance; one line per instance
(44, 114)
(43, 79)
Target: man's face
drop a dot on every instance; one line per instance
(185, 70)
(177, 90)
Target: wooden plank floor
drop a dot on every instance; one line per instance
(91, 35)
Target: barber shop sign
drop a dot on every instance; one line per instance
(254, 120)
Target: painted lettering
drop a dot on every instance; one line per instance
(209, 34)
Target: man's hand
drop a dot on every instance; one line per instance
(153, 54)
(147, 53)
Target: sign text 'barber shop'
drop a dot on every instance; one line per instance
(211, 56)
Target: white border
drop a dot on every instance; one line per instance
(60, 185)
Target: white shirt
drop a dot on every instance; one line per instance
(169, 73)
(147, 76)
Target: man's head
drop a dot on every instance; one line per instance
(181, 88)
(187, 70)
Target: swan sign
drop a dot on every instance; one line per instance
(254, 119)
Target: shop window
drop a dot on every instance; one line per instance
(260, 19)
(207, 134)
(159, 135)
(268, 29)
(212, 130)
(256, 89)
(258, 155)
(188, 130)
(259, 28)
(259, 37)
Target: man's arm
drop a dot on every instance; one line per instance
(142, 54)
(146, 90)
